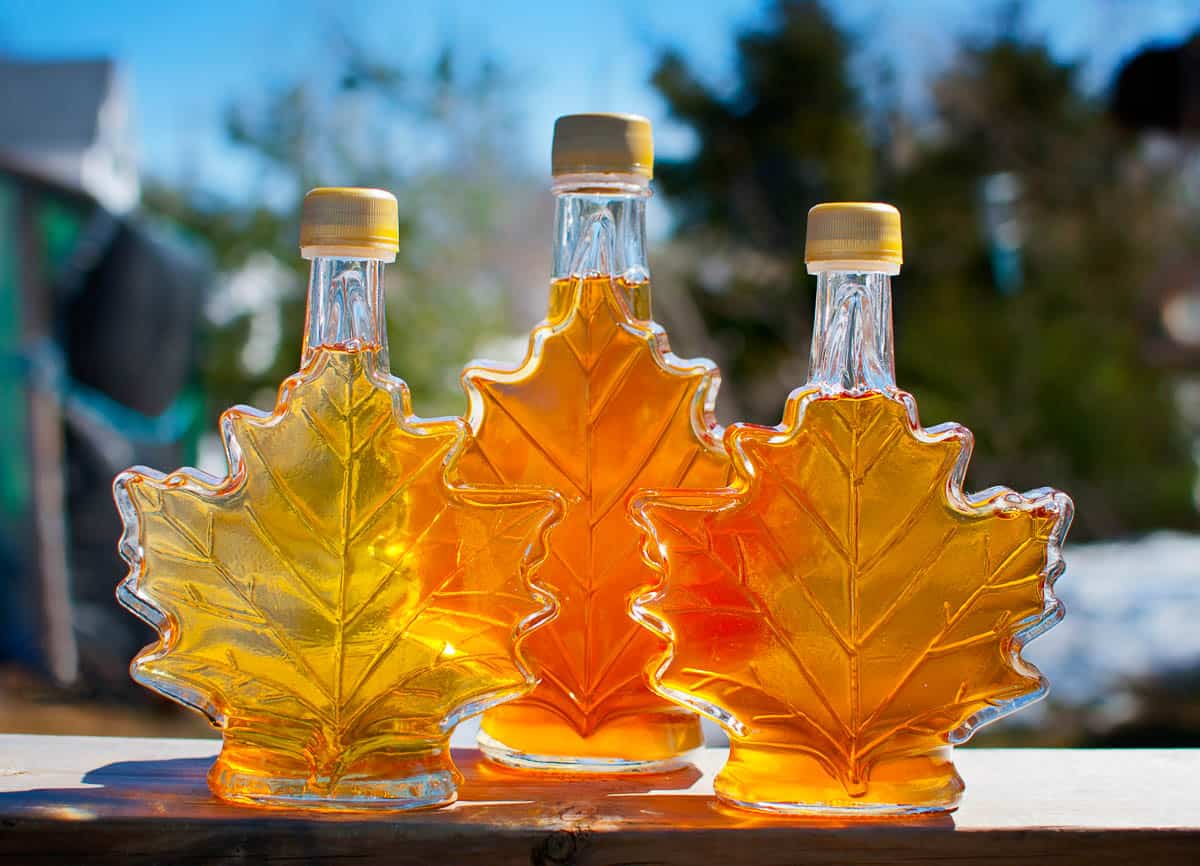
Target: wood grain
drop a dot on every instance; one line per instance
(68, 800)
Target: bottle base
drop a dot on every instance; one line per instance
(792, 782)
(527, 737)
(496, 751)
(821, 810)
(420, 781)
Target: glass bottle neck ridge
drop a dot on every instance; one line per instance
(600, 226)
(346, 307)
(852, 345)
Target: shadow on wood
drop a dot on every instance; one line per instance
(107, 800)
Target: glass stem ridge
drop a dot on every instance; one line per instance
(345, 307)
(852, 347)
(600, 227)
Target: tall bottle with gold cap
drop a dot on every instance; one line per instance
(598, 409)
(333, 604)
(844, 609)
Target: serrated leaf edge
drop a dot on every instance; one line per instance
(988, 502)
(129, 546)
(703, 409)
(702, 412)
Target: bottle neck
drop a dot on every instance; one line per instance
(600, 226)
(345, 307)
(852, 347)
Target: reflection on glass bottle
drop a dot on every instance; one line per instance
(333, 605)
(598, 409)
(844, 609)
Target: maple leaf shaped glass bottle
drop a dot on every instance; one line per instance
(598, 409)
(844, 609)
(333, 605)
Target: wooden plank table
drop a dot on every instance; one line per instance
(139, 801)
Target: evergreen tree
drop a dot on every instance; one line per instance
(1049, 370)
(792, 134)
(1030, 328)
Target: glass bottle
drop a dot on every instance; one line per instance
(844, 609)
(598, 408)
(333, 605)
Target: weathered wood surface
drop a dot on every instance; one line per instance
(139, 801)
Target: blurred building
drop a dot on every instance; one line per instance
(68, 125)
(99, 313)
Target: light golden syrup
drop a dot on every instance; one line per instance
(333, 604)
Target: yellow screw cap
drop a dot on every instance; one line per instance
(602, 144)
(349, 221)
(853, 236)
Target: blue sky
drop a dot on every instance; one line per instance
(187, 61)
